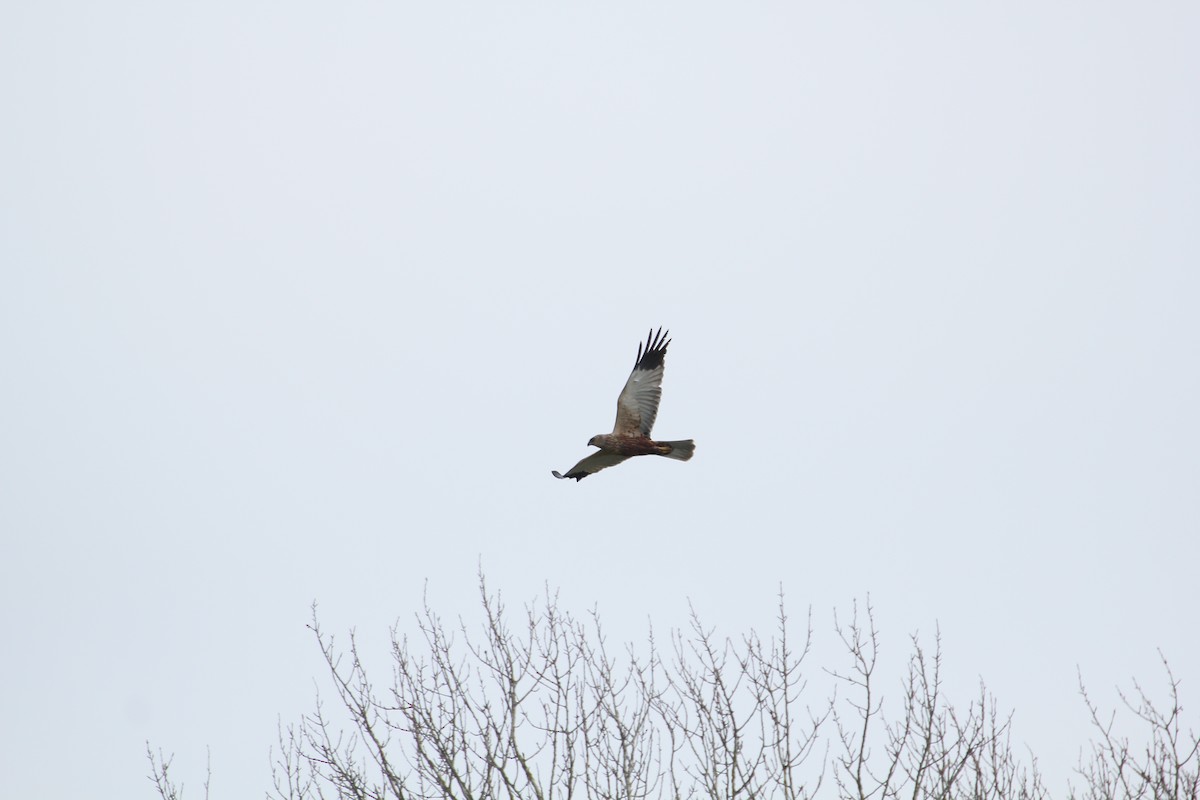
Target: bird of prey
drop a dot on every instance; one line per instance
(637, 407)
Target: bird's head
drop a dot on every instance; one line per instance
(594, 441)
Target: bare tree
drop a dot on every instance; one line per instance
(932, 750)
(1168, 766)
(733, 718)
(160, 775)
(545, 710)
(536, 705)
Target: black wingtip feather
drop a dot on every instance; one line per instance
(655, 349)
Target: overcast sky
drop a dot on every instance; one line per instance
(303, 301)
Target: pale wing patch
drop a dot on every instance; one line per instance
(637, 406)
(592, 464)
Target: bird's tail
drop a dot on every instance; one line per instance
(681, 450)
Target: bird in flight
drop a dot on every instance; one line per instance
(637, 407)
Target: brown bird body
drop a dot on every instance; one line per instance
(637, 406)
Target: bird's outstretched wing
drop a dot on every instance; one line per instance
(593, 463)
(638, 404)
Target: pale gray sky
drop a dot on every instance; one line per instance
(305, 300)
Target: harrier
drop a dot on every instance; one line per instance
(636, 409)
